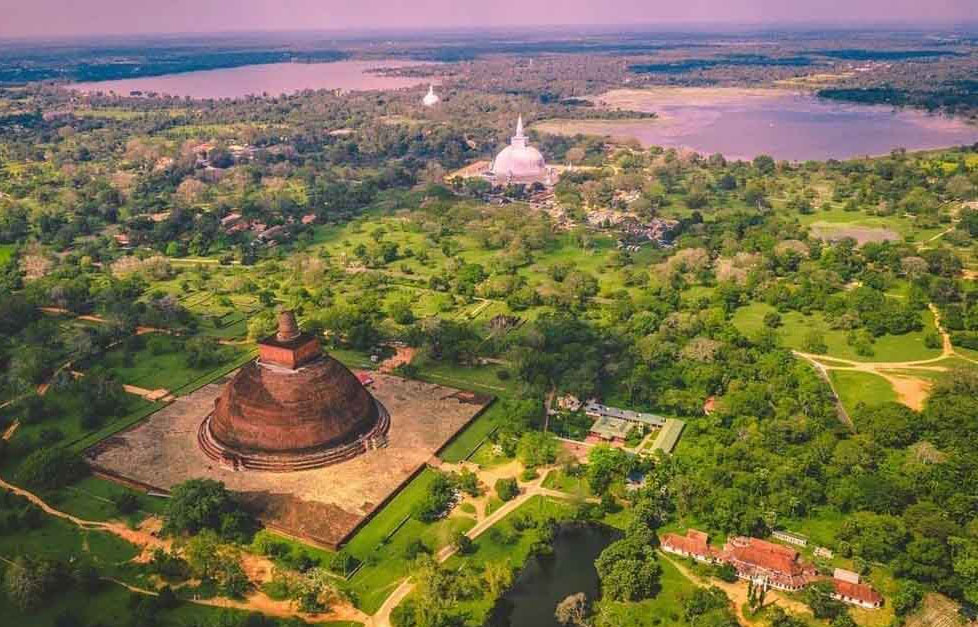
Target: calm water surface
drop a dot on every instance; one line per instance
(544, 583)
(786, 125)
(273, 79)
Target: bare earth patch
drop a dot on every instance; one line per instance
(322, 506)
(833, 232)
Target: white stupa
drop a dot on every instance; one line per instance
(431, 98)
(520, 162)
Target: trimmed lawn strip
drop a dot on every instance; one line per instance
(474, 435)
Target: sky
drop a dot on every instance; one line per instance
(42, 18)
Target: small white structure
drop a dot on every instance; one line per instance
(790, 538)
(823, 552)
(431, 98)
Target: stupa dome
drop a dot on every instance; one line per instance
(431, 98)
(519, 162)
(292, 408)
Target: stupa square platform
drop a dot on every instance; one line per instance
(323, 506)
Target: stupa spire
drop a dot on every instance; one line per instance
(519, 126)
(288, 328)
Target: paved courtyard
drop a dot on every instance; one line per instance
(323, 505)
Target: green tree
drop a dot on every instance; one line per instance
(199, 504)
(51, 468)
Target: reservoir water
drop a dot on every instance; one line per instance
(545, 582)
(786, 124)
(273, 79)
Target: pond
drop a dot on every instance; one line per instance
(273, 79)
(543, 583)
(786, 124)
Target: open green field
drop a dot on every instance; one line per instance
(795, 326)
(560, 480)
(58, 539)
(6, 252)
(480, 379)
(856, 387)
(110, 606)
(168, 370)
(66, 414)
(91, 499)
(840, 223)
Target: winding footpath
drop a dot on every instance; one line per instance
(146, 537)
(911, 391)
(383, 615)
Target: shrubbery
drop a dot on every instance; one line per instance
(200, 504)
(507, 488)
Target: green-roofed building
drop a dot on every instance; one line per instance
(668, 436)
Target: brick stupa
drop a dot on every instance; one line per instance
(293, 408)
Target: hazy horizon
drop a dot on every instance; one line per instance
(67, 19)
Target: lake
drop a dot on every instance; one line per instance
(543, 583)
(743, 123)
(273, 79)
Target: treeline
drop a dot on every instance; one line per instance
(140, 64)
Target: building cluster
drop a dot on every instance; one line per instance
(659, 231)
(770, 565)
(264, 234)
(613, 425)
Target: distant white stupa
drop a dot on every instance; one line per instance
(431, 98)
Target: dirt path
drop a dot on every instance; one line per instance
(911, 391)
(11, 430)
(483, 524)
(402, 356)
(146, 536)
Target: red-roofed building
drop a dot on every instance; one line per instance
(710, 405)
(767, 563)
(860, 594)
(364, 378)
(695, 544)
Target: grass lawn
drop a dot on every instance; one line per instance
(853, 387)
(167, 370)
(59, 539)
(838, 220)
(6, 252)
(796, 326)
(91, 499)
(385, 563)
(480, 379)
(65, 415)
(559, 480)
(357, 360)
(665, 609)
(110, 606)
(820, 527)
(473, 435)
